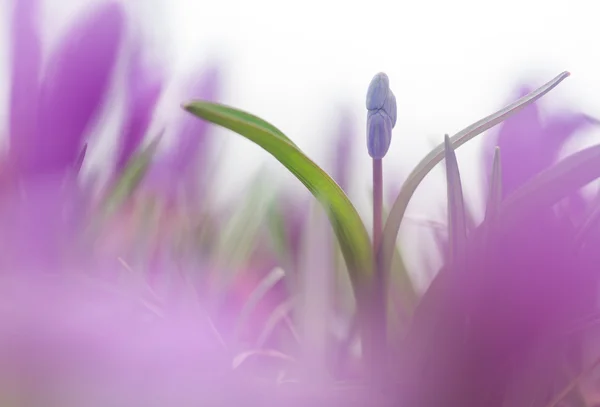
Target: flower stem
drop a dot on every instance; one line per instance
(379, 316)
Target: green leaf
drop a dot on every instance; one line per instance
(392, 226)
(457, 225)
(495, 193)
(242, 232)
(277, 232)
(131, 177)
(347, 225)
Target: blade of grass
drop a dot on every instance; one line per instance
(263, 287)
(495, 193)
(469, 217)
(240, 233)
(279, 314)
(270, 353)
(457, 225)
(131, 177)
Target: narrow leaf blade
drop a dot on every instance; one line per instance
(457, 225)
(132, 176)
(495, 193)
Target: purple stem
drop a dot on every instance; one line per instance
(379, 328)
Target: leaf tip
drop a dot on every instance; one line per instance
(447, 142)
(187, 105)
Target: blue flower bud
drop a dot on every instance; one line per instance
(379, 133)
(381, 116)
(378, 91)
(390, 107)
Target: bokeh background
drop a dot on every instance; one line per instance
(304, 66)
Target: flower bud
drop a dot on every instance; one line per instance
(378, 91)
(381, 116)
(379, 133)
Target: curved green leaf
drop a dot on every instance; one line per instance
(347, 224)
(392, 226)
(237, 117)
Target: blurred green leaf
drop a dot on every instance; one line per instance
(347, 225)
(242, 232)
(131, 177)
(277, 231)
(457, 225)
(392, 226)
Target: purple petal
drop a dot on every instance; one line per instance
(343, 151)
(192, 134)
(144, 87)
(527, 146)
(40, 219)
(73, 88)
(182, 164)
(26, 57)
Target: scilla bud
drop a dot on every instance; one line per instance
(381, 116)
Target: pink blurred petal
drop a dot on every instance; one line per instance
(144, 87)
(74, 87)
(182, 165)
(26, 62)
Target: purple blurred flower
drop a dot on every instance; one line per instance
(49, 119)
(477, 328)
(51, 112)
(527, 145)
(343, 153)
(26, 66)
(144, 87)
(80, 338)
(182, 164)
